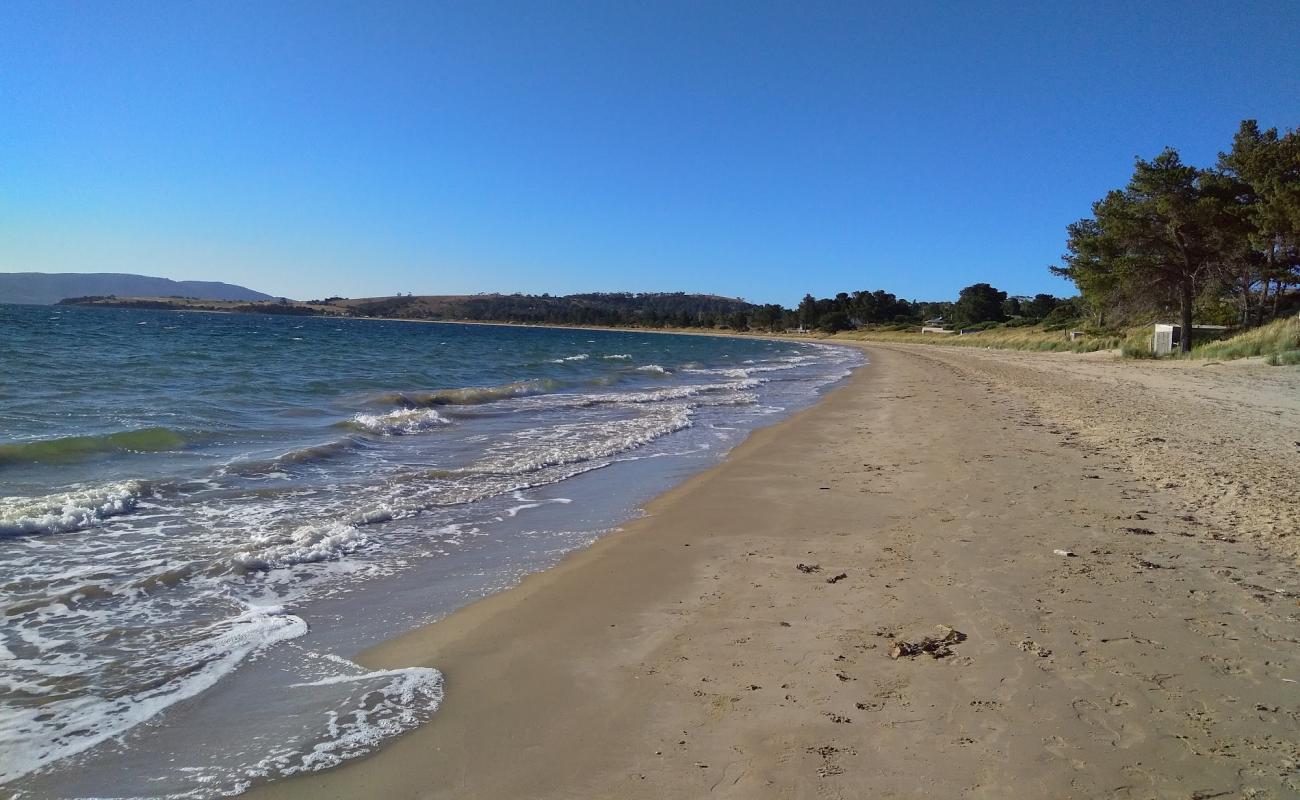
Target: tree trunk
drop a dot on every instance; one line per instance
(1185, 316)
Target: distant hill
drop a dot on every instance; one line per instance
(48, 288)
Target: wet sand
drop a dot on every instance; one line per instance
(688, 655)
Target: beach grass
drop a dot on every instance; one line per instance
(1034, 338)
(1278, 341)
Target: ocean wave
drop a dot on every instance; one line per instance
(470, 395)
(617, 357)
(302, 455)
(654, 369)
(579, 357)
(399, 422)
(68, 511)
(36, 736)
(71, 449)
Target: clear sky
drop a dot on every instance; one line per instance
(750, 149)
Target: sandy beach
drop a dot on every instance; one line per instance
(1104, 551)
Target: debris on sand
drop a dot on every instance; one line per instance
(1141, 531)
(1144, 564)
(1030, 646)
(935, 647)
(808, 568)
(1064, 553)
(838, 578)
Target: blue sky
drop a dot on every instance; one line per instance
(750, 149)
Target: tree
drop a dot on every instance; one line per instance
(977, 303)
(1264, 168)
(1154, 240)
(807, 311)
(1040, 305)
(834, 322)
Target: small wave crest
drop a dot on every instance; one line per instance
(653, 369)
(469, 395)
(670, 393)
(71, 449)
(302, 455)
(68, 511)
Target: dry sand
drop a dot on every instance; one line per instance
(689, 656)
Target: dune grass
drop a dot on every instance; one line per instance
(1278, 338)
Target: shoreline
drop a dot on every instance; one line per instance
(685, 654)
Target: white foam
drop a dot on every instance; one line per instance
(408, 698)
(576, 443)
(617, 357)
(305, 544)
(32, 738)
(400, 422)
(67, 511)
(579, 357)
(653, 368)
(670, 393)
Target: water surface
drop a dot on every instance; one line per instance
(203, 517)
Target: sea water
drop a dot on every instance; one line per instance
(204, 517)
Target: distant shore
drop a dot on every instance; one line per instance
(936, 491)
(234, 307)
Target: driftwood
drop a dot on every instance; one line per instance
(807, 568)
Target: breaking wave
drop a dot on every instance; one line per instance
(68, 511)
(402, 421)
(470, 395)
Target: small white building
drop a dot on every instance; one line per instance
(1168, 338)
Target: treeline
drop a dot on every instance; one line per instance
(1218, 244)
(977, 305)
(652, 309)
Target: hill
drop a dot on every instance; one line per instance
(48, 288)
